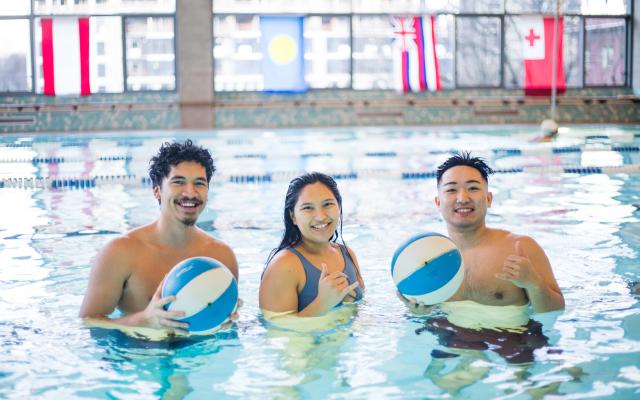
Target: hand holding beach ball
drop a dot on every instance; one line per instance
(427, 268)
(205, 290)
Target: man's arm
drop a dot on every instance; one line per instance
(109, 272)
(529, 268)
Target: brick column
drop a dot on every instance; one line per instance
(194, 38)
(635, 61)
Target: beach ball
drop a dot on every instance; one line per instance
(427, 268)
(205, 290)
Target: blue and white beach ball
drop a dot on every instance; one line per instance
(205, 290)
(427, 268)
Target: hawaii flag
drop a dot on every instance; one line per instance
(538, 56)
(415, 62)
(65, 55)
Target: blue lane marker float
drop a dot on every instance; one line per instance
(381, 154)
(48, 160)
(626, 149)
(250, 178)
(351, 175)
(508, 170)
(129, 143)
(115, 158)
(81, 183)
(313, 155)
(75, 144)
(258, 156)
(569, 149)
(418, 175)
(507, 151)
(583, 170)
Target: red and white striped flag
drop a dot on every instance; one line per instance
(65, 55)
(415, 59)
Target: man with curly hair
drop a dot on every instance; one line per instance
(127, 274)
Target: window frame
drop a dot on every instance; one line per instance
(628, 45)
(32, 17)
(628, 53)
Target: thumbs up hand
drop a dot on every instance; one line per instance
(517, 269)
(333, 287)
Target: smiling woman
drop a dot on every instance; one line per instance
(309, 274)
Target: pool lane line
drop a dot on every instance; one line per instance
(75, 142)
(285, 176)
(502, 151)
(60, 160)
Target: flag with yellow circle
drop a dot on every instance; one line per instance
(282, 53)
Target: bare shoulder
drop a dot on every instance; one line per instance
(218, 248)
(214, 248)
(121, 249)
(527, 242)
(284, 262)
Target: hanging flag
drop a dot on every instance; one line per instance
(282, 54)
(538, 56)
(415, 58)
(65, 55)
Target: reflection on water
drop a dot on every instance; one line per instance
(588, 226)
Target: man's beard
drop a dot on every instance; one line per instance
(189, 222)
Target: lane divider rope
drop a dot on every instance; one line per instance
(504, 151)
(288, 139)
(285, 176)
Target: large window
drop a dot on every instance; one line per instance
(150, 53)
(15, 7)
(238, 56)
(236, 53)
(478, 51)
(327, 52)
(281, 6)
(105, 55)
(107, 75)
(605, 40)
(351, 44)
(15, 56)
(97, 7)
(445, 49)
(513, 51)
(84, 42)
(372, 52)
(478, 42)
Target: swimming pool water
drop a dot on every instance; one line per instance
(587, 223)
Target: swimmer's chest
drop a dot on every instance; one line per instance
(481, 285)
(147, 271)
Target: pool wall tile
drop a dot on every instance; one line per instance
(143, 111)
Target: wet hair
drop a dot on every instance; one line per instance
(464, 159)
(172, 154)
(292, 235)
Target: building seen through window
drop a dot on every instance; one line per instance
(348, 44)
